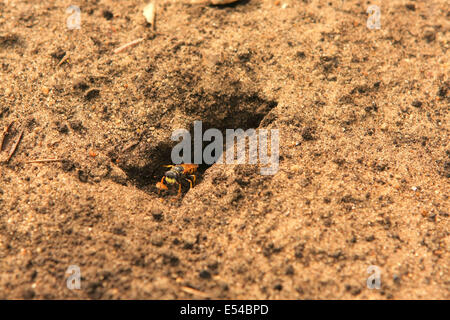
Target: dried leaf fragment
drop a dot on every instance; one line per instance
(214, 2)
(149, 13)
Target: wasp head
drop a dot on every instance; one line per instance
(170, 177)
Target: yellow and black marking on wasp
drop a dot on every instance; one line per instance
(176, 175)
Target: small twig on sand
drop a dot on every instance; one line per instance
(64, 59)
(130, 145)
(14, 147)
(195, 292)
(130, 44)
(5, 133)
(44, 160)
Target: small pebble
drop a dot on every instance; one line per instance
(442, 92)
(91, 94)
(429, 34)
(82, 176)
(45, 91)
(108, 15)
(157, 214)
(416, 103)
(410, 6)
(205, 274)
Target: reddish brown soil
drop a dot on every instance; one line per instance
(364, 152)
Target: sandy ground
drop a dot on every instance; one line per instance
(363, 116)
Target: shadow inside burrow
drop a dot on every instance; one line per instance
(247, 112)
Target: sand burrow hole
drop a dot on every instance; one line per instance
(178, 104)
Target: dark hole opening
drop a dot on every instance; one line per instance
(146, 177)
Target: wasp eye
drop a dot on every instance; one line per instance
(178, 169)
